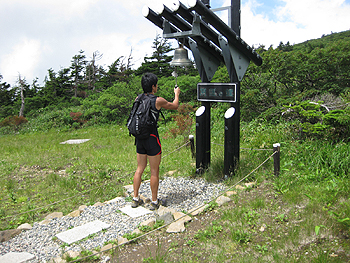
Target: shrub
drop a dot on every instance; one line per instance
(111, 106)
(76, 117)
(51, 118)
(339, 123)
(184, 121)
(14, 122)
(316, 121)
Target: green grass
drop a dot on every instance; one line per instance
(302, 213)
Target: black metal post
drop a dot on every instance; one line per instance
(226, 31)
(232, 124)
(236, 16)
(207, 134)
(201, 146)
(229, 145)
(236, 127)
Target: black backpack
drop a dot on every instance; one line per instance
(142, 119)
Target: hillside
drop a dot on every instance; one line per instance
(324, 40)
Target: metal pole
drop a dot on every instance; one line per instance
(236, 25)
(236, 16)
(229, 146)
(236, 126)
(203, 132)
(232, 135)
(207, 134)
(200, 139)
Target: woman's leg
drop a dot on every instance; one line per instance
(141, 165)
(154, 162)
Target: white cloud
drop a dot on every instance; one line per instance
(318, 16)
(42, 34)
(104, 44)
(23, 59)
(55, 7)
(294, 21)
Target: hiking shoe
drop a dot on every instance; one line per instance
(155, 206)
(136, 203)
(159, 203)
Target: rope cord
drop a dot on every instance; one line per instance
(161, 227)
(250, 149)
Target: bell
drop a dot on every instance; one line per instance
(181, 58)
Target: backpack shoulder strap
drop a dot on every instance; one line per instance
(140, 97)
(162, 116)
(160, 110)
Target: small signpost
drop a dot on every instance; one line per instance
(212, 43)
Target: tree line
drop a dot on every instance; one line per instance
(316, 72)
(69, 86)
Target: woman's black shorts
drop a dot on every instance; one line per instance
(150, 146)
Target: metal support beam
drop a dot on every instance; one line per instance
(195, 32)
(226, 31)
(234, 60)
(205, 29)
(206, 2)
(206, 63)
(159, 22)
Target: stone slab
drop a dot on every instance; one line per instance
(221, 200)
(76, 141)
(176, 227)
(135, 212)
(25, 226)
(80, 232)
(15, 257)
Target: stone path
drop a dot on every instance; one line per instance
(78, 233)
(135, 212)
(174, 219)
(75, 234)
(14, 257)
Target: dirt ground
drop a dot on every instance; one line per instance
(159, 243)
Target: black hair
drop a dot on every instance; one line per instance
(147, 81)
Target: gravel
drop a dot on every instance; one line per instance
(181, 194)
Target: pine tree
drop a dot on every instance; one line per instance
(158, 63)
(77, 71)
(7, 98)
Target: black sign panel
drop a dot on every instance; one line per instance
(220, 92)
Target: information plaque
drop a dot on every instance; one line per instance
(219, 92)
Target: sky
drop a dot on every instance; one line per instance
(37, 35)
